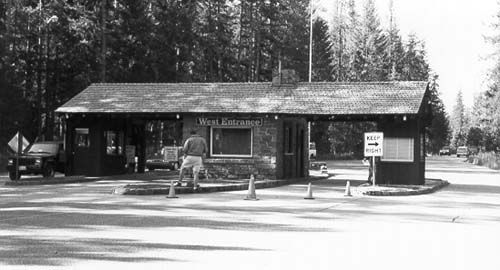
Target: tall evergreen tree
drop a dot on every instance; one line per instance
(321, 57)
(339, 35)
(371, 45)
(216, 37)
(295, 53)
(438, 132)
(129, 39)
(415, 66)
(458, 122)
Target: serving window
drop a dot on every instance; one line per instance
(114, 142)
(398, 149)
(231, 141)
(82, 137)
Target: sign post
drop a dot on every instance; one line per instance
(18, 143)
(374, 145)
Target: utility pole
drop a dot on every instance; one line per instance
(392, 75)
(340, 53)
(103, 41)
(310, 66)
(39, 75)
(310, 39)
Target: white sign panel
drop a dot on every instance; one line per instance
(14, 142)
(374, 144)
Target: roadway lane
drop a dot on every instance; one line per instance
(82, 226)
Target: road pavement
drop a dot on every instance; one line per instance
(84, 226)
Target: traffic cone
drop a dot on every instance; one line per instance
(348, 189)
(171, 192)
(251, 190)
(309, 195)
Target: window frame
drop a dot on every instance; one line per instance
(119, 136)
(82, 133)
(230, 155)
(411, 148)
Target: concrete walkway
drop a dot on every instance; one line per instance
(158, 182)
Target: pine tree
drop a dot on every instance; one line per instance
(458, 122)
(371, 45)
(438, 132)
(295, 52)
(129, 38)
(321, 69)
(216, 37)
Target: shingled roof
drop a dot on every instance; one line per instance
(317, 98)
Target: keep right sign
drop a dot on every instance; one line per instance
(374, 144)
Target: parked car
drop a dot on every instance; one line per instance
(170, 157)
(473, 150)
(444, 151)
(159, 163)
(43, 158)
(462, 151)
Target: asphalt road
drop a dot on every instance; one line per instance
(83, 226)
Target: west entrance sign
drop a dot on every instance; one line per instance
(374, 144)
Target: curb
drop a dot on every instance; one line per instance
(165, 189)
(51, 181)
(414, 190)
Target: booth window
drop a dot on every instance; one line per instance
(398, 149)
(231, 142)
(82, 137)
(114, 141)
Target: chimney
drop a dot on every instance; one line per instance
(285, 77)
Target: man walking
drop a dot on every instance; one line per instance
(195, 148)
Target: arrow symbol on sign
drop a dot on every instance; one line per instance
(375, 143)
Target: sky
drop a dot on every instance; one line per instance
(453, 32)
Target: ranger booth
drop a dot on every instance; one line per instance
(251, 128)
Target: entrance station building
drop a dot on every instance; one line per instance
(251, 128)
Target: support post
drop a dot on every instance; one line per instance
(19, 150)
(373, 170)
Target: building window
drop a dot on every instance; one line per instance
(82, 137)
(398, 149)
(231, 142)
(114, 141)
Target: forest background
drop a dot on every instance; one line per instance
(51, 50)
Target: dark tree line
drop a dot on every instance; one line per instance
(362, 50)
(51, 50)
(483, 129)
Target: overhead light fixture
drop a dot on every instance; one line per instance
(276, 117)
(177, 116)
(404, 117)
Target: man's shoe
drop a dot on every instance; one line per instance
(178, 184)
(191, 185)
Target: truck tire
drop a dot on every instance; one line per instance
(48, 170)
(13, 176)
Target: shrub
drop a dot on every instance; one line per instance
(488, 159)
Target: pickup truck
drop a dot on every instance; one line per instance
(462, 151)
(43, 158)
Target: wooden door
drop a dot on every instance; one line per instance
(293, 149)
(81, 146)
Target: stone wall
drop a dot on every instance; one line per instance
(262, 164)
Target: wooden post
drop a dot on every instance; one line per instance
(19, 150)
